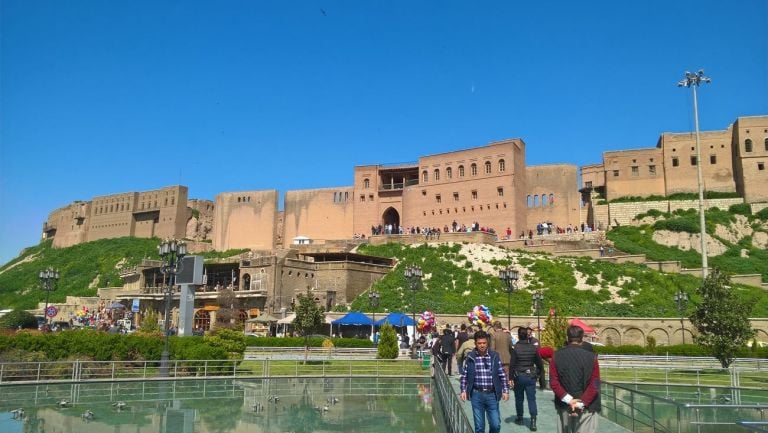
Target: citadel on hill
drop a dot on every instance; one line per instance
(488, 185)
(308, 245)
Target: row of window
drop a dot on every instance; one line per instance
(244, 199)
(342, 197)
(546, 200)
(439, 197)
(464, 209)
(748, 144)
(472, 171)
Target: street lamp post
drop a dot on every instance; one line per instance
(538, 298)
(171, 252)
(509, 276)
(694, 80)
(681, 299)
(373, 302)
(413, 274)
(48, 278)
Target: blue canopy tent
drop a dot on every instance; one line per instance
(396, 319)
(353, 318)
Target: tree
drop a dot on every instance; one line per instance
(309, 316)
(721, 319)
(18, 319)
(150, 321)
(555, 326)
(388, 342)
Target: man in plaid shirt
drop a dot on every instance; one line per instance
(484, 383)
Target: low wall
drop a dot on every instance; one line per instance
(458, 237)
(668, 266)
(755, 280)
(757, 207)
(616, 214)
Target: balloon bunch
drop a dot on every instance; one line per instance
(480, 316)
(84, 316)
(426, 322)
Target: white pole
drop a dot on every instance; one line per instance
(699, 163)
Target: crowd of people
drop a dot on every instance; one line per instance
(494, 362)
(429, 232)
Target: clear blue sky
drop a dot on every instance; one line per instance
(101, 97)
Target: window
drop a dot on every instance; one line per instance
(438, 199)
(362, 197)
(448, 172)
(500, 191)
(652, 170)
(551, 199)
(529, 200)
(748, 145)
(487, 167)
(713, 159)
(437, 174)
(536, 201)
(370, 197)
(543, 200)
(455, 196)
(461, 171)
(502, 165)
(615, 173)
(635, 170)
(473, 169)
(761, 166)
(675, 161)
(474, 195)
(366, 183)
(694, 161)
(588, 184)
(766, 144)
(424, 176)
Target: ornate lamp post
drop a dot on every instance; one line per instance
(414, 275)
(509, 276)
(48, 278)
(373, 302)
(171, 252)
(681, 299)
(694, 81)
(538, 298)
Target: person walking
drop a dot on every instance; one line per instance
(501, 342)
(525, 366)
(448, 349)
(574, 375)
(484, 383)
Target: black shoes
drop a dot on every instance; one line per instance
(533, 423)
(519, 420)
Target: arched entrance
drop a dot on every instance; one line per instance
(202, 320)
(391, 216)
(246, 282)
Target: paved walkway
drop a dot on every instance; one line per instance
(546, 419)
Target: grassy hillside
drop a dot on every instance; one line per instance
(578, 286)
(83, 268)
(638, 239)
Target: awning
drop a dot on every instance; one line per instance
(116, 306)
(287, 320)
(396, 319)
(264, 318)
(354, 318)
(210, 308)
(577, 322)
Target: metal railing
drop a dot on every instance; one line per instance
(113, 371)
(311, 353)
(679, 375)
(453, 411)
(641, 411)
(630, 361)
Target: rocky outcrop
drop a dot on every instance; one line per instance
(687, 241)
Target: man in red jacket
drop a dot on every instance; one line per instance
(574, 376)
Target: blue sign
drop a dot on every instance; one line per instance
(135, 305)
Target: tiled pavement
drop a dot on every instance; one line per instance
(545, 420)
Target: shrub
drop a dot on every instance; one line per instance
(763, 214)
(678, 224)
(18, 319)
(388, 343)
(741, 209)
(650, 344)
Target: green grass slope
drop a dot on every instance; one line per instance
(82, 268)
(577, 286)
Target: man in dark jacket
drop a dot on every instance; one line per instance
(574, 376)
(448, 349)
(484, 383)
(525, 366)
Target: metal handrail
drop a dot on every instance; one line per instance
(453, 411)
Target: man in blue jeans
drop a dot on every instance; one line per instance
(484, 383)
(525, 367)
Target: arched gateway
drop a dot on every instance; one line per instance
(391, 216)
